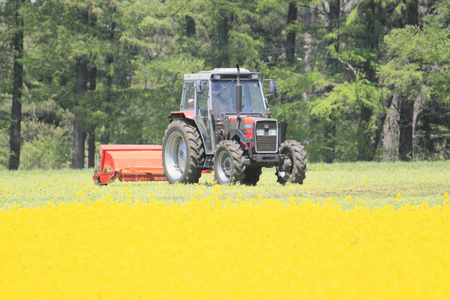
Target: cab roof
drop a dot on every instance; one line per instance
(206, 75)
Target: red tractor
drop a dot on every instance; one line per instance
(223, 125)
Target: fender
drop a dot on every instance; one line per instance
(249, 142)
(240, 135)
(182, 115)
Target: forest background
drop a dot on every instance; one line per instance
(357, 80)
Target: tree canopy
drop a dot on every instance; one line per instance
(357, 80)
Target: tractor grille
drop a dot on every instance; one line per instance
(266, 143)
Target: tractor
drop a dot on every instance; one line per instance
(224, 125)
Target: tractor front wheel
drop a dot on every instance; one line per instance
(293, 168)
(228, 163)
(182, 153)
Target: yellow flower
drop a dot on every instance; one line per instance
(199, 193)
(217, 188)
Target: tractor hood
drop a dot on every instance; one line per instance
(245, 124)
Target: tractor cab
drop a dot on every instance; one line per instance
(211, 97)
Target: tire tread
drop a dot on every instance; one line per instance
(194, 148)
(299, 164)
(236, 154)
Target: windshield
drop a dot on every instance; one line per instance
(223, 96)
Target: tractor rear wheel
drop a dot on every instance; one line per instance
(251, 175)
(293, 168)
(228, 163)
(182, 153)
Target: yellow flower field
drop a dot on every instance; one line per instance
(219, 242)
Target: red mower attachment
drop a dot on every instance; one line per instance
(129, 163)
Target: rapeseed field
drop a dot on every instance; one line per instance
(351, 231)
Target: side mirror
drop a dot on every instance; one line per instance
(268, 111)
(273, 87)
(200, 86)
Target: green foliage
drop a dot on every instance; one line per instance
(292, 84)
(45, 146)
(347, 63)
(352, 17)
(155, 92)
(348, 96)
(419, 59)
(418, 67)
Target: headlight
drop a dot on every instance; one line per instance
(272, 132)
(260, 132)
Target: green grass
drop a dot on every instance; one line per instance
(365, 184)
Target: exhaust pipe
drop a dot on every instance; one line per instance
(238, 93)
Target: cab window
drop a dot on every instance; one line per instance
(188, 96)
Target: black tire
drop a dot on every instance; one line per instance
(251, 175)
(293, 169)
(182, 153)
(228, 163)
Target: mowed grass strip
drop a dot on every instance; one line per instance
(365, 184)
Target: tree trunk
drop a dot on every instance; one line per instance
(104, 138)
(333, 25)
(412, 12)
(91, 135)
(91, 150)
(379, 124)
(223, 59)
(390, 139)
(365, 152)
(367, 145)
(15, 137)
(307, 44)
(405, 149)
(79, 136)
(330, 129)
(78, 146)
(290, 39)
(329, 153)
(190, 26)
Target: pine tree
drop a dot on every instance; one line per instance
(15, 139)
